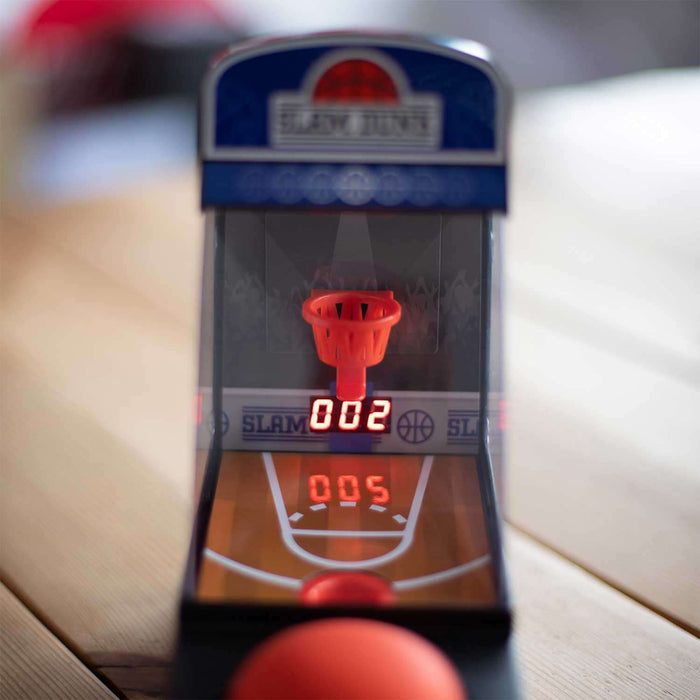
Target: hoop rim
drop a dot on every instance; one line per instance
(393, 316)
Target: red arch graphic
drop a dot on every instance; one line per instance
(356, 80)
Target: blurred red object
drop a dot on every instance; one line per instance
(346, 588)
(88, 53)
(346, 658)
(67, 25)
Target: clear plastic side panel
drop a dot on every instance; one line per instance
(497, 407)
(204, 411)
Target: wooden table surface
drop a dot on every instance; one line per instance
(99, 302)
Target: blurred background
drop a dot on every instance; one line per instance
(100, 270)
(94, 71)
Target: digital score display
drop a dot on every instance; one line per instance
(331, 415)
(347, 489)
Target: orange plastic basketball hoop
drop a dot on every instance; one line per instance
(351, 331)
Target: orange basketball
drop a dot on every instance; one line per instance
(346, 588)
(346, 658)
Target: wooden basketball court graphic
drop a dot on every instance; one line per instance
(279, 518)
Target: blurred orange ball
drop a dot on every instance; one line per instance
(346, 588)
(346, 658)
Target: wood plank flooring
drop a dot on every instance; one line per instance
(97, 356)
(34, 664)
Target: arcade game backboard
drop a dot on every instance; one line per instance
(348, 411)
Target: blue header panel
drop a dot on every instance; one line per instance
(353, 120)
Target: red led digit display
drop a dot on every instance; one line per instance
(319, 488)
(331, 415)
(380, 494)
(381, 408)
(321, 414)
(350, 415)
(348, 489)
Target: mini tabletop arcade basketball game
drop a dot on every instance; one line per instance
(347, 535)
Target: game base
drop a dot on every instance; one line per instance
(214, 640)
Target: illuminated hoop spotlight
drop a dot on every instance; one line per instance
(351, 331)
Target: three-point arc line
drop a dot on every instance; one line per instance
(407, 584)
